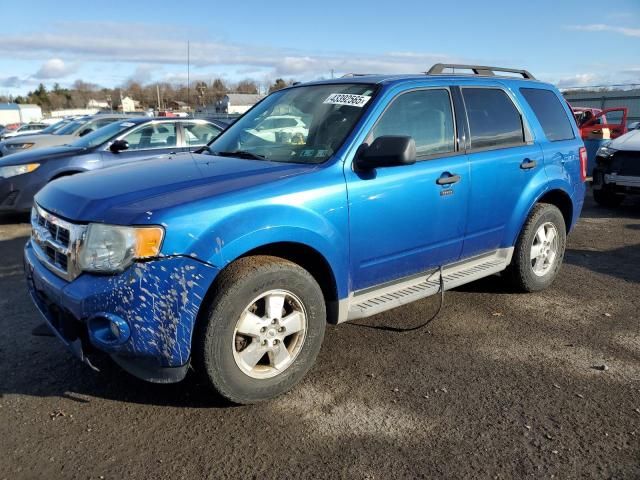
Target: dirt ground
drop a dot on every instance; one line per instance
(501, 385)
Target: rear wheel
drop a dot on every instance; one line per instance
(607, 199)
(263, 330)
(539, 251)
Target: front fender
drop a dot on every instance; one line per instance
(241, 230)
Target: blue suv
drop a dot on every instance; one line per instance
(232, 259)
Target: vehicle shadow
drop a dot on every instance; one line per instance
(13, 218)
(620, 263)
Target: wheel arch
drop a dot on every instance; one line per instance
(304, 256)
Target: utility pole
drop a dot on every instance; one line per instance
(188, 72)
(158, 94)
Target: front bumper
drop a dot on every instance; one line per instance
(615, 183)
(16, 193)
(159, 301)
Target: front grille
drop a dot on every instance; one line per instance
(626, 163)
(56, 242)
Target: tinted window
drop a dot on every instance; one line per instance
(494, 120)
(162, 135)
(550, 114)
(426, 116)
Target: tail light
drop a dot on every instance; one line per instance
(583, 164)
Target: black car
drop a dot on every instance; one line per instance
(617, 171)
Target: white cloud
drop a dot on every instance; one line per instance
(601, 27)
(135, 44)
(54, 68)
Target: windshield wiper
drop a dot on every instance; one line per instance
(241, 154)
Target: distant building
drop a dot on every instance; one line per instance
(19, 113)
(66, 112)
(237, 102)
(99, 104)
(128, 104)
(177, 105)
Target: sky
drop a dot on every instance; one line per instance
(567, 42)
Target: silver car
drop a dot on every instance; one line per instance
(66, 135)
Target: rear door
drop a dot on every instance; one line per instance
(149, 141)
(503, 159)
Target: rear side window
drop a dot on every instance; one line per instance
(494, 121)
(550, 114)
(425, 115)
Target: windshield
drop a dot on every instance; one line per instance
(103, 134)
(300, 125)
(56, 126)
(71, 127)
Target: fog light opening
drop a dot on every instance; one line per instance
(108, 330)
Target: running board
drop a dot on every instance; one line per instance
(375, 300)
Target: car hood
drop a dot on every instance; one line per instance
(39, 155)
(628, 141)
(129, 194)
(42, 140)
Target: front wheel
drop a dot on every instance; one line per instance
(539, 251)
(263, 331)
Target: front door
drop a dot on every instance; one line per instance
(408, 219)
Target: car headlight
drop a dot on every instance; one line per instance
(13, 170)
(605, 150)
(15, 147)
(112, 248)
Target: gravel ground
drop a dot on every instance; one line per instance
(501, 385)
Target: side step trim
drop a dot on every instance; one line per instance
(372, 301)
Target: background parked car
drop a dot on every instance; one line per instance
(129, 140)
(66, 135)
(617, 171)
(25, 129)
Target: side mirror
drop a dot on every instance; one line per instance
(118, 146)
(85, 132)
(387, 151)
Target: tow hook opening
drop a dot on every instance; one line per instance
(108, 330)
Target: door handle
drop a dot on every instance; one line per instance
(528, 164)
(448, 179)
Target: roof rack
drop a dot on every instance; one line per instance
(438, 69)
(349, 75)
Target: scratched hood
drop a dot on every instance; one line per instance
(128, 194)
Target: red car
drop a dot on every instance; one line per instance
(597, 125)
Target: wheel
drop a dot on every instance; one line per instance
(607, 199)
(539, 251)
(263, 330)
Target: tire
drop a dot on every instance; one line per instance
(607, 199)
(223, 350)
(529, 273)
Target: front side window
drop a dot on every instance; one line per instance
(198, 134)
(102, 135)
(494, 121)
(301, 125)
(549, 112)
(424, 115)
(158, 135)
